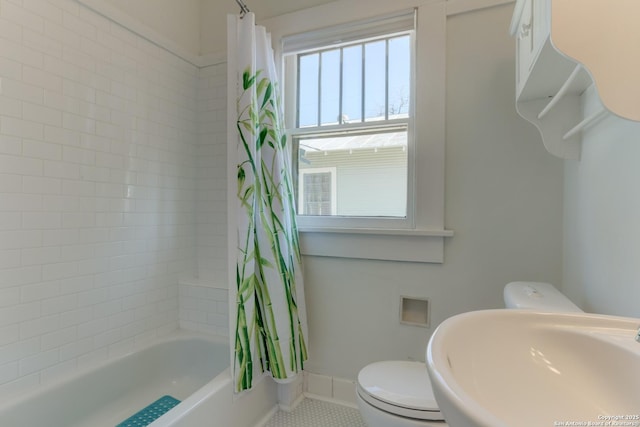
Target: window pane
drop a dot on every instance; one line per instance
(355, 171)
(399, 77)
(375, 76)
(370, 173)
(308, 74)
(352, 84)
(330, 84)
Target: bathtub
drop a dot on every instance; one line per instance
(191, 368)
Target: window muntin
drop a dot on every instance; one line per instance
(341, 85)
(353, 115)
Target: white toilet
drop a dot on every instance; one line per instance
(399, 394)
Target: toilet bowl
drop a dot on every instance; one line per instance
(399, 394)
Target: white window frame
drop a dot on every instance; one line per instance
(421, 240)
(387, 26)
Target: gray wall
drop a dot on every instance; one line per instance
(602, 219)
(503, 200)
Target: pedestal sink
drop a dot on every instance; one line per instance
(517, 368)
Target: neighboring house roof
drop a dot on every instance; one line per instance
(352, 142)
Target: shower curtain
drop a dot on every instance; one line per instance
(268, 319)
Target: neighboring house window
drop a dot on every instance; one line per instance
(317, 191)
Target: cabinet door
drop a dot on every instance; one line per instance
(525, 44)
(541, 23)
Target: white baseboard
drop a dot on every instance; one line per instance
(331, 400)
(330, 389)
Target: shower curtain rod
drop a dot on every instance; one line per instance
(243, 7)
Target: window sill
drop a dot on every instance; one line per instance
(409, 245)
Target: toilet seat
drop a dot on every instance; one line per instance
(400, 387)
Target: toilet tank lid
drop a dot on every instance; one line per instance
(537, 296)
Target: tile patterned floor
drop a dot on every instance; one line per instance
(316, 413)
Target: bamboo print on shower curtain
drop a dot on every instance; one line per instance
(269, 323)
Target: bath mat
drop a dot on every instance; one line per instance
(151, 413)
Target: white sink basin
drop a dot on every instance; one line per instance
(516, 368)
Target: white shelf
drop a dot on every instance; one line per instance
(551, 81)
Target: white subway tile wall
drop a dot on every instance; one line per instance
(211, 186)
(204, 309)
(112, 161)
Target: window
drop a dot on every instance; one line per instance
(405, 134)
(351, 112)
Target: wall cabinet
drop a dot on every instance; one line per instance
(565, 47)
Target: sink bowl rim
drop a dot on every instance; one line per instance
(445, 383)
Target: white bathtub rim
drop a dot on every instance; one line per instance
(222, 383)
(182, 409)
(9, 401)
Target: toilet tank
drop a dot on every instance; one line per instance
(537, 296)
